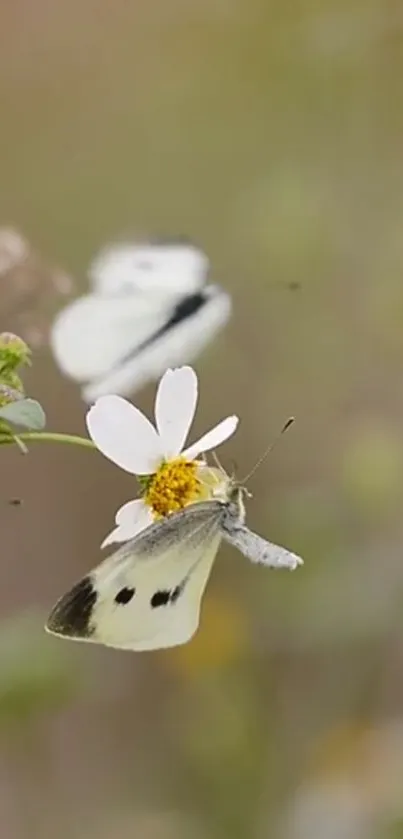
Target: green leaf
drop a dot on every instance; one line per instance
(27, 413)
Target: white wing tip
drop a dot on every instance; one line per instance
(294, 562)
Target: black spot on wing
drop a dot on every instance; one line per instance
(166, 597)
(185, 309)
(176, 593)
(72, 614)
(125, 595)
(160, 598)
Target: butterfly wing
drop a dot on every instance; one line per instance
(146, 595)
(180, 340)
(258, 550)
(168, 269)
(93, 334)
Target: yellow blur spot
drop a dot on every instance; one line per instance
(342, 751)
(221, 639)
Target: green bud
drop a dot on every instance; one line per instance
(13, 352)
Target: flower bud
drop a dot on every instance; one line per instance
(13, 351)
(9, 394)
(11, 379)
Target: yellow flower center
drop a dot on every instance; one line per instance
(174, 485)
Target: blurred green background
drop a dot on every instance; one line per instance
(271, 134)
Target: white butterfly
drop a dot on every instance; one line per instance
(150, 308)
(147, 595)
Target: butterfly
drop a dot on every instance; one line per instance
(147, 595)
(150, 307)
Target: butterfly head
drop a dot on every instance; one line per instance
(231, 494)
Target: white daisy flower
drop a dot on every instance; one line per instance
(171, 475)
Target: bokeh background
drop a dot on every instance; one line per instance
(271, 134)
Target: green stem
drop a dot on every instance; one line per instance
(50, 437)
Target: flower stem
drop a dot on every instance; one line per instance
(50, 437)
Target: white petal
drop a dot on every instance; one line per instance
(124, 435)
(175, 406)
(213, 438)
(130, 519)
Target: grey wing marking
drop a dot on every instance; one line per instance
(188, 525)
(258, 550)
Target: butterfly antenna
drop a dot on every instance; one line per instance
(218, 464)
(234, 469)
(269, 449)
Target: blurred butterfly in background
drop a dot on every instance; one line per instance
(150, 307)
(147, 594)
